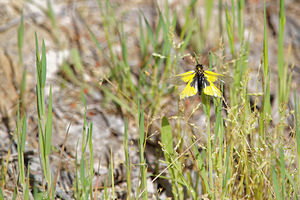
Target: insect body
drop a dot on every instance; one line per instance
(199, 80)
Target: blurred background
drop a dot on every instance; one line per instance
(120, 55)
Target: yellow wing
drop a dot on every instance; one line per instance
(187, 76)
(211, 76)
(189, 90)
(212, 90)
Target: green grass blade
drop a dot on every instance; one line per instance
(98, 45)
(14, 197)
(127, 160)
(77, 181)
(167, 138)
(23, 89)
(90, 138)
(21, 38)
(143, 41)
(160, 26)
(111, 172)
(220, 13)
(150, 33)
(281, 74)
(187, 19)
(42, 147)
(119, 101)
(1, 194)
(167, 15)
(82, 174)
(109, 23)
(275, 183)
(39, 100)
(206, 107)
(233, 15)
(126, 68)
(123, 39)
(227, 172)
(282, 171)
(69, 73)
(240, 18)
(51, 15)
(142, 142)
(208, 8)
(20, 147)
(23, 140)
(230, 32)
(48, 128)
(217, 125)
(188, 36)
(83, 100)
(39, 89)
(297, 130)
(266, 80)
(37, 54)
(26, 192)
(43, 66)
(265, 45)
(77, 61)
